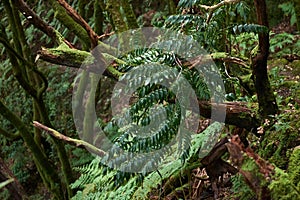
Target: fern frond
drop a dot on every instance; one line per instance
(249, 28)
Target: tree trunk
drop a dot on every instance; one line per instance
(113, 7)
(266, 98)
(130, 16)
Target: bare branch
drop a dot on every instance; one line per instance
(219, 56)
(105, 35)
(222, 3)
(211, 9)
(77, 142)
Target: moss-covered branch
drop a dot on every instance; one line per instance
(113, 7)
(237, 114)
(34, 83)
(129, 14)
(76, 58)
(98, 17)
(62, 16)
(77, 18)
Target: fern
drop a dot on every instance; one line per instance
(157, 111)
(250, 28)
(282, 186)
(98, 182)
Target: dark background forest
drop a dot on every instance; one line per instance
(254, 153)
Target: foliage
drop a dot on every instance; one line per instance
(282, 186)
(228, 29)
(284, 131)
(98, 181)
(154, 104)
(284, 43)
(240, 189)
(293, 168)
(289, 10)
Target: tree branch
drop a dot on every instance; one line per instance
(77, 142)
(35, 20)
(211, 9)
(222, 3)
(77, 18)
(8, 180)
(77, 58)
(218, 56)
(236, 114)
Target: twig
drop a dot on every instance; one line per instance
(222, 3)
(77, 142)
(211, 9)
(105, 35)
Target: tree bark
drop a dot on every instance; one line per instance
(265, 95)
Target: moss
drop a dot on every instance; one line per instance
(113, 7)
(65, 19)
(277, 62)
(294, 169)
(279, 138)
(296, 67)
(130, 16)
(282, 187)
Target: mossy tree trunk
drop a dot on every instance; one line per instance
(113, 7)
(129, 14)
(98, 16)
(35, 84)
